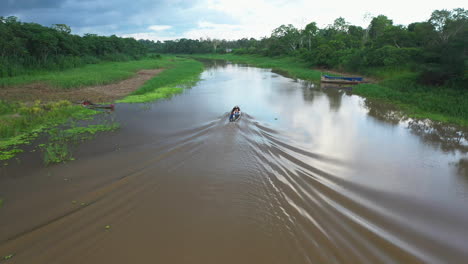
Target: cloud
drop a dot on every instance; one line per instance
(225, 19)
(12, 6)
(159, 27)
(207, 29)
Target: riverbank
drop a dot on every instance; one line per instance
(441, 104)
(35, 103)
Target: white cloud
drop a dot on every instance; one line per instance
(159, 27)
(224, 31)
(258, 18)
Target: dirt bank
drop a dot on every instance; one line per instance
(98, 93)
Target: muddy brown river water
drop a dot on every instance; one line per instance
(309, 174)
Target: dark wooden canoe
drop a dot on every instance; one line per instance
(341, 80)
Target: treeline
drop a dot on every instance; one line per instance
(30, 46)
(435, 49)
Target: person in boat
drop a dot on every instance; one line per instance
(235, 112)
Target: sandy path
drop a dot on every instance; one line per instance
(98, 93)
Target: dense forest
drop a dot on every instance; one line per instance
(435, 49)
(30, 46)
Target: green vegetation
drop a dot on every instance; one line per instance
(22, 123)
(292, 66)
(160, 93)
(30, 121)
(56, 153)
(96, 74)
(29, 47)
(58, 147)
(183, 73)
(420, 101)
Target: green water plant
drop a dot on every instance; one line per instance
(58, 149)
(57, 152)
(22, 123)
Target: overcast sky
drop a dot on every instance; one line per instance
(225, 19)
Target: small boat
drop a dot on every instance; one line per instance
(235, 114)
(235, 117)
(342, 80)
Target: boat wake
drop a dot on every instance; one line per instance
(244, 190)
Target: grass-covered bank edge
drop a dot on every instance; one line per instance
(21, 123)
(91, 74)
(437, 103)
(425, 102)
(183, 73)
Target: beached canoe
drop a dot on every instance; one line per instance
(341, 80)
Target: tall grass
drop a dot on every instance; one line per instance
(93, 74)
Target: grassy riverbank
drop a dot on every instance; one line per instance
(182, 74)
(442, 104)
(92, 74)
(22, 122)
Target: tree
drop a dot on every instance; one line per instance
(288, 35)
(449, 23)
(309, 32)
(62, 28)
(340, 25)
(378, 26)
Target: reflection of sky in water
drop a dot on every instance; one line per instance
(377, 153)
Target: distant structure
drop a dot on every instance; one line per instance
(228, 50)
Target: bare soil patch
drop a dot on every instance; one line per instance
(98, 93)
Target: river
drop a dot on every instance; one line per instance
(308, 174)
